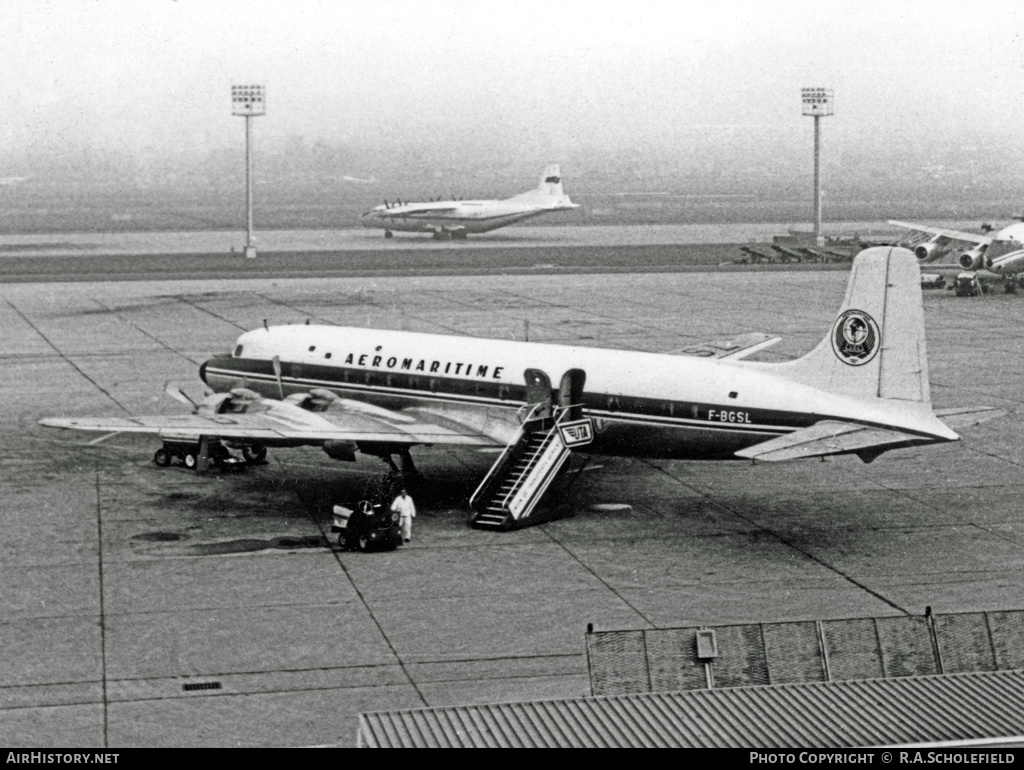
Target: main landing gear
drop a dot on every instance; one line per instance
(408, 469)
(190, 455)
(255, 454)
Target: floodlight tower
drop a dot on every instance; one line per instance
(818, 103)
(249, 102)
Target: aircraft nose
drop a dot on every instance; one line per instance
(202, 371)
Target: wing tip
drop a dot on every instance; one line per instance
(56, 422)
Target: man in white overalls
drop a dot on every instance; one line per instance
(406, 509)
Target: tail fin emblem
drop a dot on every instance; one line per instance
(855, 338)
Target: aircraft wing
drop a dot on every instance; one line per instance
(830, 437)
(956, 235)
(418, 212)
(282, 423)
(734, 348)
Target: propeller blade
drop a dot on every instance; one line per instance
(245, 394)
(277, 373)
(179, 395)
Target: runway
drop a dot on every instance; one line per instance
(363, 239)
(360, 252)
(153, 607)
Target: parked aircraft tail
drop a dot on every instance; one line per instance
(876, 346)
(874, 352)
(549, 191)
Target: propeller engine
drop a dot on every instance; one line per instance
(317, 400)
(341, 450)
(237, 400)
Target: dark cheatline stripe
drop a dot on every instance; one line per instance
(479, 392)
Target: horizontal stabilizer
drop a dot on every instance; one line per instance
(965, 416)
(735, 348)
(831, 437)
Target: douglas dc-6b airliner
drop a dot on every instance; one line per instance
(456, 219)
(863, 390)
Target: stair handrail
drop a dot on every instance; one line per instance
(522, 427)
(548, 435)
(561, 411)
(533, 408)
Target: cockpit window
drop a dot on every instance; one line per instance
(238, 352)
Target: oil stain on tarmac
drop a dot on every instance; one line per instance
(228, 547)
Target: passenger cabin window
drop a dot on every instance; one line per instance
(238, 351)
(312, 348)
(327, 355)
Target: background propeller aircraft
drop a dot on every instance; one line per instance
(863, 390)
(456, 219)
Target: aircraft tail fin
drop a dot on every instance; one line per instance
(549, 192)
(551, 181)
(876, 346)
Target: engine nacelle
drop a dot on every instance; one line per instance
(341, 450)
(317, 400)
(237, 401)
(927, 252)
(973, 259)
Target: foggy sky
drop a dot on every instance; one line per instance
(152, 78)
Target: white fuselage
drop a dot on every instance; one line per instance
(643, 404)
(1005, 254)
(479, 216)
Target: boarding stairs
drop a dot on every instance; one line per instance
(552, 423)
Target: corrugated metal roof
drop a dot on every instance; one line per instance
(628, 662)
(871, 712)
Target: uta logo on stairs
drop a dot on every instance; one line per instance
(577, 433)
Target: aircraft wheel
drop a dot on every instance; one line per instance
(162, 458)
(364, 543)
(254, 455)
(343, 541)
(190, 460)
(388, 234)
